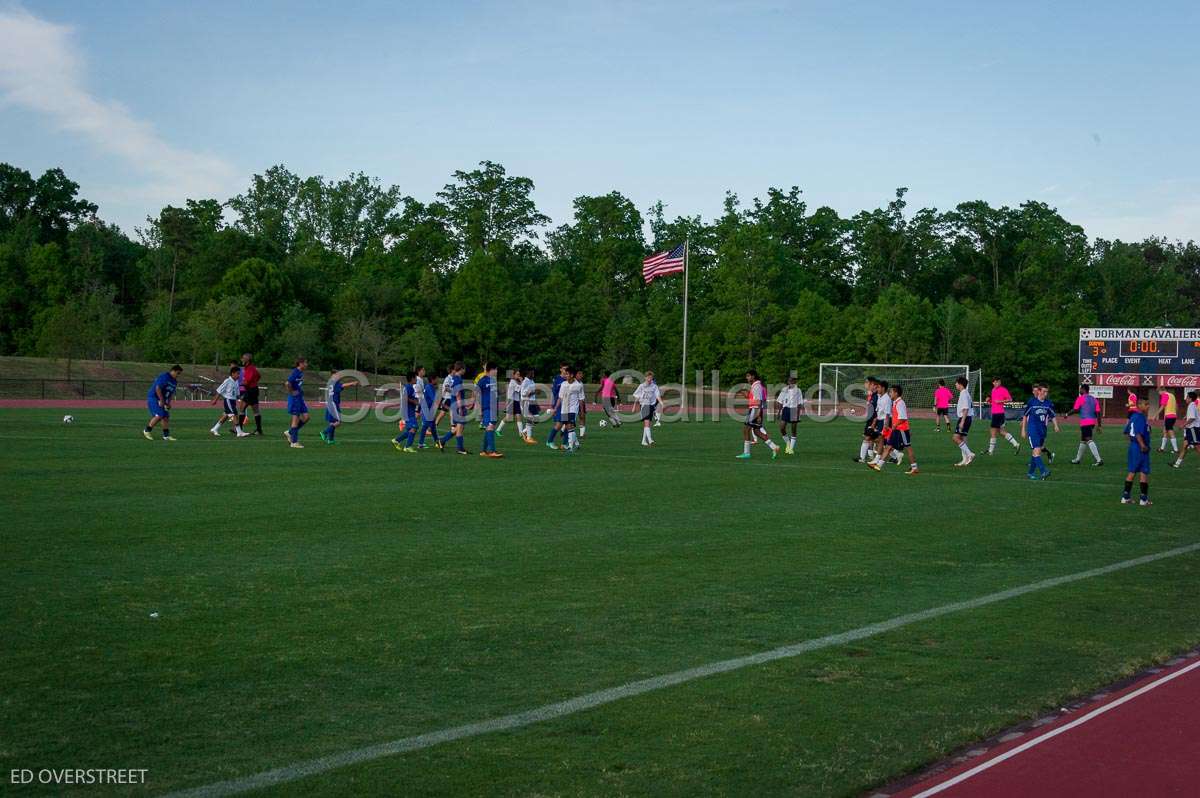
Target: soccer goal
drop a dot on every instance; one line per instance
(841, 384)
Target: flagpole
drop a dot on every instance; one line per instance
(683, 370)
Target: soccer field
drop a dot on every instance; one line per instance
(317, 602)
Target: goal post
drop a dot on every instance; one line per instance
(840, 383)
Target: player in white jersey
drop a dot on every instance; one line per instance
(646, 398)
(1191, 427)
(964, 413)
(227, 393)
(791, 404)
(529, 407)
(444, 394)
(581, 418)
(883, 422)
(512, 405)
(572, 397)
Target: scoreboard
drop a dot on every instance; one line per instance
(1139, 357)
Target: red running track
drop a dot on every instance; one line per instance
(1142, 740)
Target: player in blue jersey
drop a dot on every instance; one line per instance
(1039, 415)
(408, 420)
(489, 409)
(158, 400)
(296, 406)
(457, 408)
(333, 405)
(428, 398)
(556, 404)
(1137, 428)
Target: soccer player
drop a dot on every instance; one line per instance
(512, 405)
(1138, 430)
(333, 406)
(1191, 428)
(941, 404)
(646, 398)
(607, 397)
(248, 398)
(488, 410)
(756, 403)
(900, 438)
(447, 386)
(458, 411)
(227, 392)
(1088, 409)
(1168, 410)
(790, 401)
(964, 412)
(158, 400)
(869, 434)
(998, 397)
(556, 403)
(1039, 413)
(429, 409)
(296, 406)
(572, 398)
(529, 406)
(581, 416)
(883, 423)
(403, 442)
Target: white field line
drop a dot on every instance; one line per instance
(580, 703)
(966, 774)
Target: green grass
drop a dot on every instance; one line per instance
(319, 600)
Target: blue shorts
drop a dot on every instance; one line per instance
(1139, 461)
(899, 439)
(570, 419)
(963, 427)
(458, 414)
(485, 418)
(296, 407)
(230, 406)
(156, 409)
(558, 415)
(1037, 440)
(333, 413)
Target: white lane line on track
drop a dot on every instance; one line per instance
(580, 703)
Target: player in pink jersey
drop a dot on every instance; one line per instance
(998, 397)
(941, 404)
(608, 398)
(1168, 410)
(1089, 423)
(757, 406)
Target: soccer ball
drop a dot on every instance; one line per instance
(853, 412)
(68, 419)
(603, 423)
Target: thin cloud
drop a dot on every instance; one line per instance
(42, 70)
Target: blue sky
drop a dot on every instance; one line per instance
(1090, 107)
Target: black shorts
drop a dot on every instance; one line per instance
(444, 405)
(998, 420)
(250, 395)
(1191, 436)
(790, 415)
(754, 418)
(514, 407)
(943, 411)
(1086, 432)
(963, 426)
(899, 439)
(648, 412)
(1168, 424)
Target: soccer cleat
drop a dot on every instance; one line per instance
(169, 437)
(409, 450)
(1097, 464)
(644, 443)
(333, 442)
(1045, 476)
(960, 463)
(440, 446)
(287, 436)
(483, 454)
(856, 459)
(912, 472)
(297, 445)
(1051, 458)
(1126, 500)
(1033, 477)
(1145, 503)
(495, 455)
(323, 436)
(216, 433)
(531, 441)
(737, 457)
(551, 445)
(147, 435)
(242, 434)
(1074, 462)
(970, 459)
(397, 445)
(462, 451)
(1177, 464)
(775, 453)
(875, 466)
(1017, 447)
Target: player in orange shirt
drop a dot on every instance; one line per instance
(900, 439)
(757, 401)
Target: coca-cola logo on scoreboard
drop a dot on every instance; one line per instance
(1180, 381)
(1127, 380)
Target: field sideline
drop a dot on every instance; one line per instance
(320, 601)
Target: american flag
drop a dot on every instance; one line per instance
(661, 264)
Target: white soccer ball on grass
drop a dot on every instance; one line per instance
(603, 423)
(68, 419)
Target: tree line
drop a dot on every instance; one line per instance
(352, 273)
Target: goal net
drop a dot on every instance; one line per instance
(841, 384)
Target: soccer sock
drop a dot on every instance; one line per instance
(1162, 446)
(966, 450)
(241, 419)
(582, 431)
(862, 450)
(258, 422)
(148, 428)
(1079, 452)
(898, 456)
(446, 438)
(1128, 488)
(1011, 439)
(458, 441)
(489, 440)
(410, 436)
(550, 437)
(991, 445)
(1174, 445)
(573, 439)
(745, 447)
(645, 434)
(294, 433)
(330, 431)
(774, 446)
(1145, 491)
(166, 432)
(1095, 450)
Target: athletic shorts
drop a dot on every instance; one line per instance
(963, 426)
(1168, 423)
(869, 431)
(333, 413)
(229, 406)
(790, 415)
(754, 418)
(609, 403)
(296, 406)
(1037, 440)
(1086, 432)
(458, 414)
(998, 420)
(532, 410)
(250, 395)
(1139, 461)
(570, 418)
(648, 411)
(943, 411)
(485, 417)
(1192, 436)
(157, 409)
(558, 414)
(899, 439)
(514, 407)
